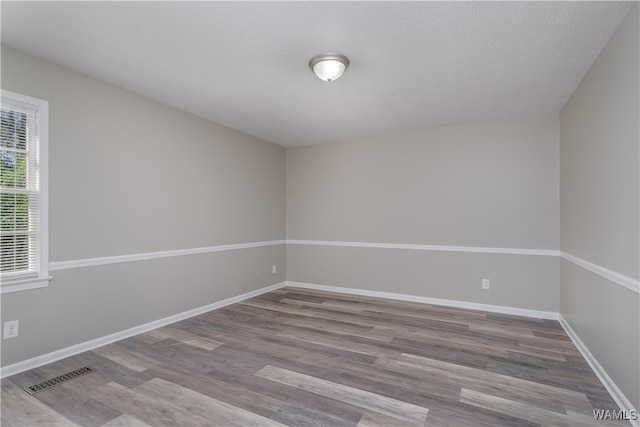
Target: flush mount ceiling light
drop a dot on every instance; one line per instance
(329, 66)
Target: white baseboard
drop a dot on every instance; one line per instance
(617, 395)
(615, 392)
(426, 300)
(54, 356)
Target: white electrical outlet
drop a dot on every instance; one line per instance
(11, 329)
(486, 284)
(274, 268)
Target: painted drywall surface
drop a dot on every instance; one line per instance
(606, 317)
(600, 219)
(87, 303)
(600, 150)
(521, 281)
(484, 185)
(128, 176)
(489, 184)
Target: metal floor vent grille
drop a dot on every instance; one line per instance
(45, 385)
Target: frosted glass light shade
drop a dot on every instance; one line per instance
(329, 66)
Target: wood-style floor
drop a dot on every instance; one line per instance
(308, 358)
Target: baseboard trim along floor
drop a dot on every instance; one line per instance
(435, 301)
(615, 392)
(54, 356)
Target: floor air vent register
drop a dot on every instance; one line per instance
(46, 385)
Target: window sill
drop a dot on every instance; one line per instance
(24, 284)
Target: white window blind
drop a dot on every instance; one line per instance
(23, 259)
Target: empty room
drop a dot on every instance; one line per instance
(320, 213)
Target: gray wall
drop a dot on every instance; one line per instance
(600, 217)
(123, 167)
(483, 185)
(129, 176)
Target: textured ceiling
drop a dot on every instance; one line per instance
(414, 65)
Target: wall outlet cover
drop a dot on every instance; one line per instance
(11, 329)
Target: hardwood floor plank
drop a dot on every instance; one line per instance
(126, 358)
(325, 367)
(402, 411)
(559, 346)
(524, 390)
(109, 369)
(81, 384)
(369, 319)
(347, 308)
(538, 415)
(192, 359)
(373, 419)
(455, 342)
(424, 395)
(232, 394)
(125, 420)
(308, 416)
(402, 305)
(340, 343)
(462, 415)
(209, 327)
(501, 331)
(184, 337)
(214, 410)
(337, 328)
(31, 377)
(70, 403)
(537, 352)
(347, 413)
(543, 325)
(282, 345)
(152, 411)
(531, 372)
(21, 409)
(430, 350)
(303, 357)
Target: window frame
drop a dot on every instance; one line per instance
(42, 279)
